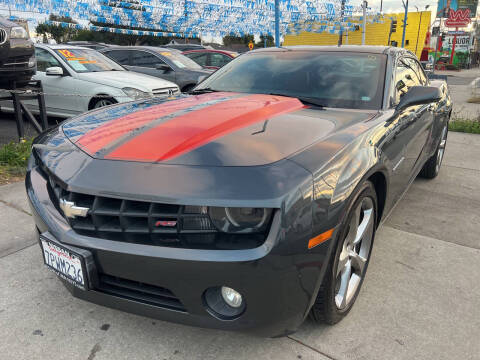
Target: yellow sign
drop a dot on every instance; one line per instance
(66, 53)
(250, 45)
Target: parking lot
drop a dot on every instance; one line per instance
(420, 298)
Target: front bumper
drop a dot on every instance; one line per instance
(278, 288)
(14, 58)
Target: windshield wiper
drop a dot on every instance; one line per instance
(304, 99)
(203, 91)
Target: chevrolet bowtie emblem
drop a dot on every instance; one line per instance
(71, 210)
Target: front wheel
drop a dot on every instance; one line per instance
(101, 102)
(348, 265)
(432, 167)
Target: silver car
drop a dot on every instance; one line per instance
(77, 79)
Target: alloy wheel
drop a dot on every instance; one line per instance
(102, 103)
(354, 254)
(441, 149)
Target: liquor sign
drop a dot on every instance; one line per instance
(445, 7)
(458, 18)
(462, 43)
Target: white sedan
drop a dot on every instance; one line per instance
(77, 79)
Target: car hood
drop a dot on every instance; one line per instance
(122, 79)
(216, 129)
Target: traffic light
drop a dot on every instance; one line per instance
(443, 37)
(393, 26)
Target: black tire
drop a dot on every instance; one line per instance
(432, 167)
(325, 309)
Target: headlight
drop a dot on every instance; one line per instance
(240, 220)
(32, 61)
(18, 32)
(135, 93)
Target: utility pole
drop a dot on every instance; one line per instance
(342, 11)
(277, 23)
(364, 28)
(419, 25)
(404, 22)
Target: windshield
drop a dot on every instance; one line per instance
(180, 60)
(87, 60)
(333, 79)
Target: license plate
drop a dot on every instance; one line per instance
(64, 263)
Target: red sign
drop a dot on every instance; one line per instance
(458, 18)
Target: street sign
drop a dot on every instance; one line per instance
(250, 45)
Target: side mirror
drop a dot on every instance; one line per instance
(163, 67)
(54, 71)
(418, 95)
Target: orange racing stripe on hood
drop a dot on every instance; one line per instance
(107, 133)
(190, 131)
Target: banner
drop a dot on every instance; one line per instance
(198, 17)
(444, 7)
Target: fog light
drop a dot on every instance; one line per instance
(224, 303)
(231, 297)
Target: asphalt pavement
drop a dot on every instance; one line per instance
(420, 299)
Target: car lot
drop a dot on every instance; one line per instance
(420, 298)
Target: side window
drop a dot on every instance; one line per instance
(419, 71)
(199, 58)
(218, 60)
(145, 59)
(120, 56)
(405, 78)
(45, 60)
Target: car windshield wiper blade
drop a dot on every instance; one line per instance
(303, 99)
(311, 101)
(202, 91)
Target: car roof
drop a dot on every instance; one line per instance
(344, 48)
(62, 46)
(228, 52)
(151, 48)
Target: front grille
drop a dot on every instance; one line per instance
(165, 91)
(16, 63)
(137, 291)
(3, 36)
(149, 223)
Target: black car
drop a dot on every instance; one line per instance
(248, 204)
(17, 55)
(168, 64)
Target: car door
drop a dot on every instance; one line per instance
(420, 122)
(147, 63)
(218, 60)
(120, 56)
(59, 90)
(199, 57)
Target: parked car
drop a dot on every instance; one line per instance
(88, 44)
(168, 64)
(248, 204)
(17, 55)
(77, 79)
(211, 59)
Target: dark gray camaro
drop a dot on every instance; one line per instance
(248, 204)
(168, 64)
